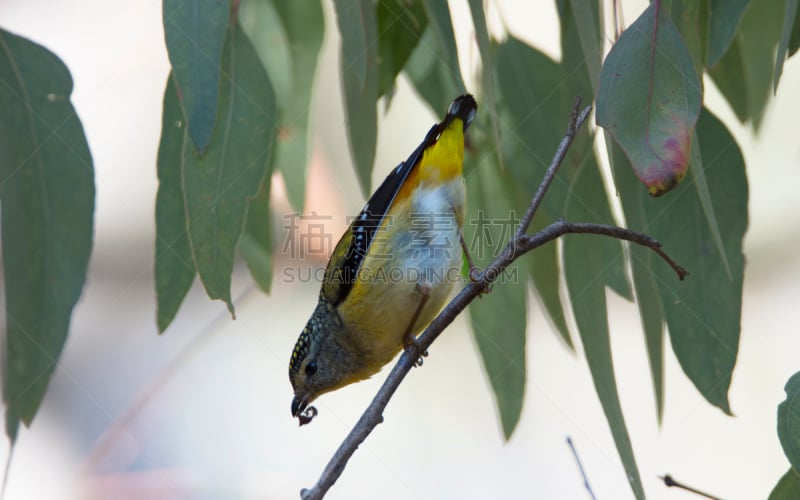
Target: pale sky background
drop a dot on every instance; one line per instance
(203, 411)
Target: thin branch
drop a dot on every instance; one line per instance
(575, 123)
(562, 227)
(671, 482)
(520, 244)
(580, 468)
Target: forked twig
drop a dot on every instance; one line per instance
(520, 244)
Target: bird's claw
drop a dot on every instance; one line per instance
(420, 360)
(413, 349)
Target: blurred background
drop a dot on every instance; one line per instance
(202, 412)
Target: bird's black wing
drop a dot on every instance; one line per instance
(344, 265)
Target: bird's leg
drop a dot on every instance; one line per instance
(474, 272)
(409, 339)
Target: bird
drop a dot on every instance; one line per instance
(393, 269)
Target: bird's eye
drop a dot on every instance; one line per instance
(311, 368)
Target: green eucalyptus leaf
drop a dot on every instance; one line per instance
(401, 24)
(586, 25)
(442, 29)
(745, 73)
(47, 195)
(498, 319)
(691, 20)
(723, 20)
(358, 25)
(789, 421)
(256, 243)
(789, 21)
(584, 266)
(174, 265)
(544, 267)
(305, 26)
(648, 297)
(430, 78)
(488, 75)
(703, 312)
(218, 185)
(194, 32)
(788, 488)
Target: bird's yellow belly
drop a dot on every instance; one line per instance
(417, 252)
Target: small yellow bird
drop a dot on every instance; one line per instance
(392, 270)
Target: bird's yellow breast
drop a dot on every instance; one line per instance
(440, 163)
(418, 243)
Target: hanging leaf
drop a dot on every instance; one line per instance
(287, 37)
(597, 207)
(704, 312)
(487, 74)
(442, 29)
(174, 265)
(530, 84)
(47, 194)
(545, 270)
(729, 77)
(218, 185)
(585, 22)
(194, 32)
(583, 266)
(648, 297)
(357, 25)
(649, 99)
(723, 19)
(401, 24)
(497, 319)
(789, 421)
(744, 75)
(794, 39)
(429, 77)
(528, 106)
(691, 20)
(256, 243)
(789, 21)
(788, 488)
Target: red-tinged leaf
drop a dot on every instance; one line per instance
(649, 99)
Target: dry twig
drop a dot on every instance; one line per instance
(520, 244)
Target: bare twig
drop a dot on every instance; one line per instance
(520, 244)
(671, 482)
(580, 468)
(575, 123)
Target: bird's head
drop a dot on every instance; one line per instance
(321, 360)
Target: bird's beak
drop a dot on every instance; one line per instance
(299, 404)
